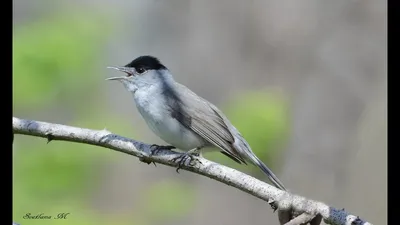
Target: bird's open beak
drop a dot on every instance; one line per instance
(122, 69)
(115, 78)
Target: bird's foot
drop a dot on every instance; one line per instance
(185, 159)
(154, 149)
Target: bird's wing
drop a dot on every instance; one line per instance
(205, 119)
(210, 123)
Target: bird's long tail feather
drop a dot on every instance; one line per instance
(270, 174)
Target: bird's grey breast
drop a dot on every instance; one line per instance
(161, 110)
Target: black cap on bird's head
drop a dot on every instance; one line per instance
(147, 62)
(139, 66)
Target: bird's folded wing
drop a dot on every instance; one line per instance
(217, 134)
(203, 118)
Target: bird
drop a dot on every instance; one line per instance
(181, 118)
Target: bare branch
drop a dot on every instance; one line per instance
(283, 201)
(304, 218)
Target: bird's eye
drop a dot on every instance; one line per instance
(140, 70)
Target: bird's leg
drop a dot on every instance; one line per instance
(154, 149)
(187, 158)
(194, 152)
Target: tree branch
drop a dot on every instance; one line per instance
(304, 219)
(285, 202)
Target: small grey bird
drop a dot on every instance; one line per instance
(182, 118)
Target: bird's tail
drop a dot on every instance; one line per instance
(269, 173)
(245, 151)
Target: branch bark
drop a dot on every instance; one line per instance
(286, 203)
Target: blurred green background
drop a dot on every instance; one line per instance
(305, 84)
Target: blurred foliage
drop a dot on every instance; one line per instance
(167, 200)
(263, 120)
(57, 55)
(53, 54)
